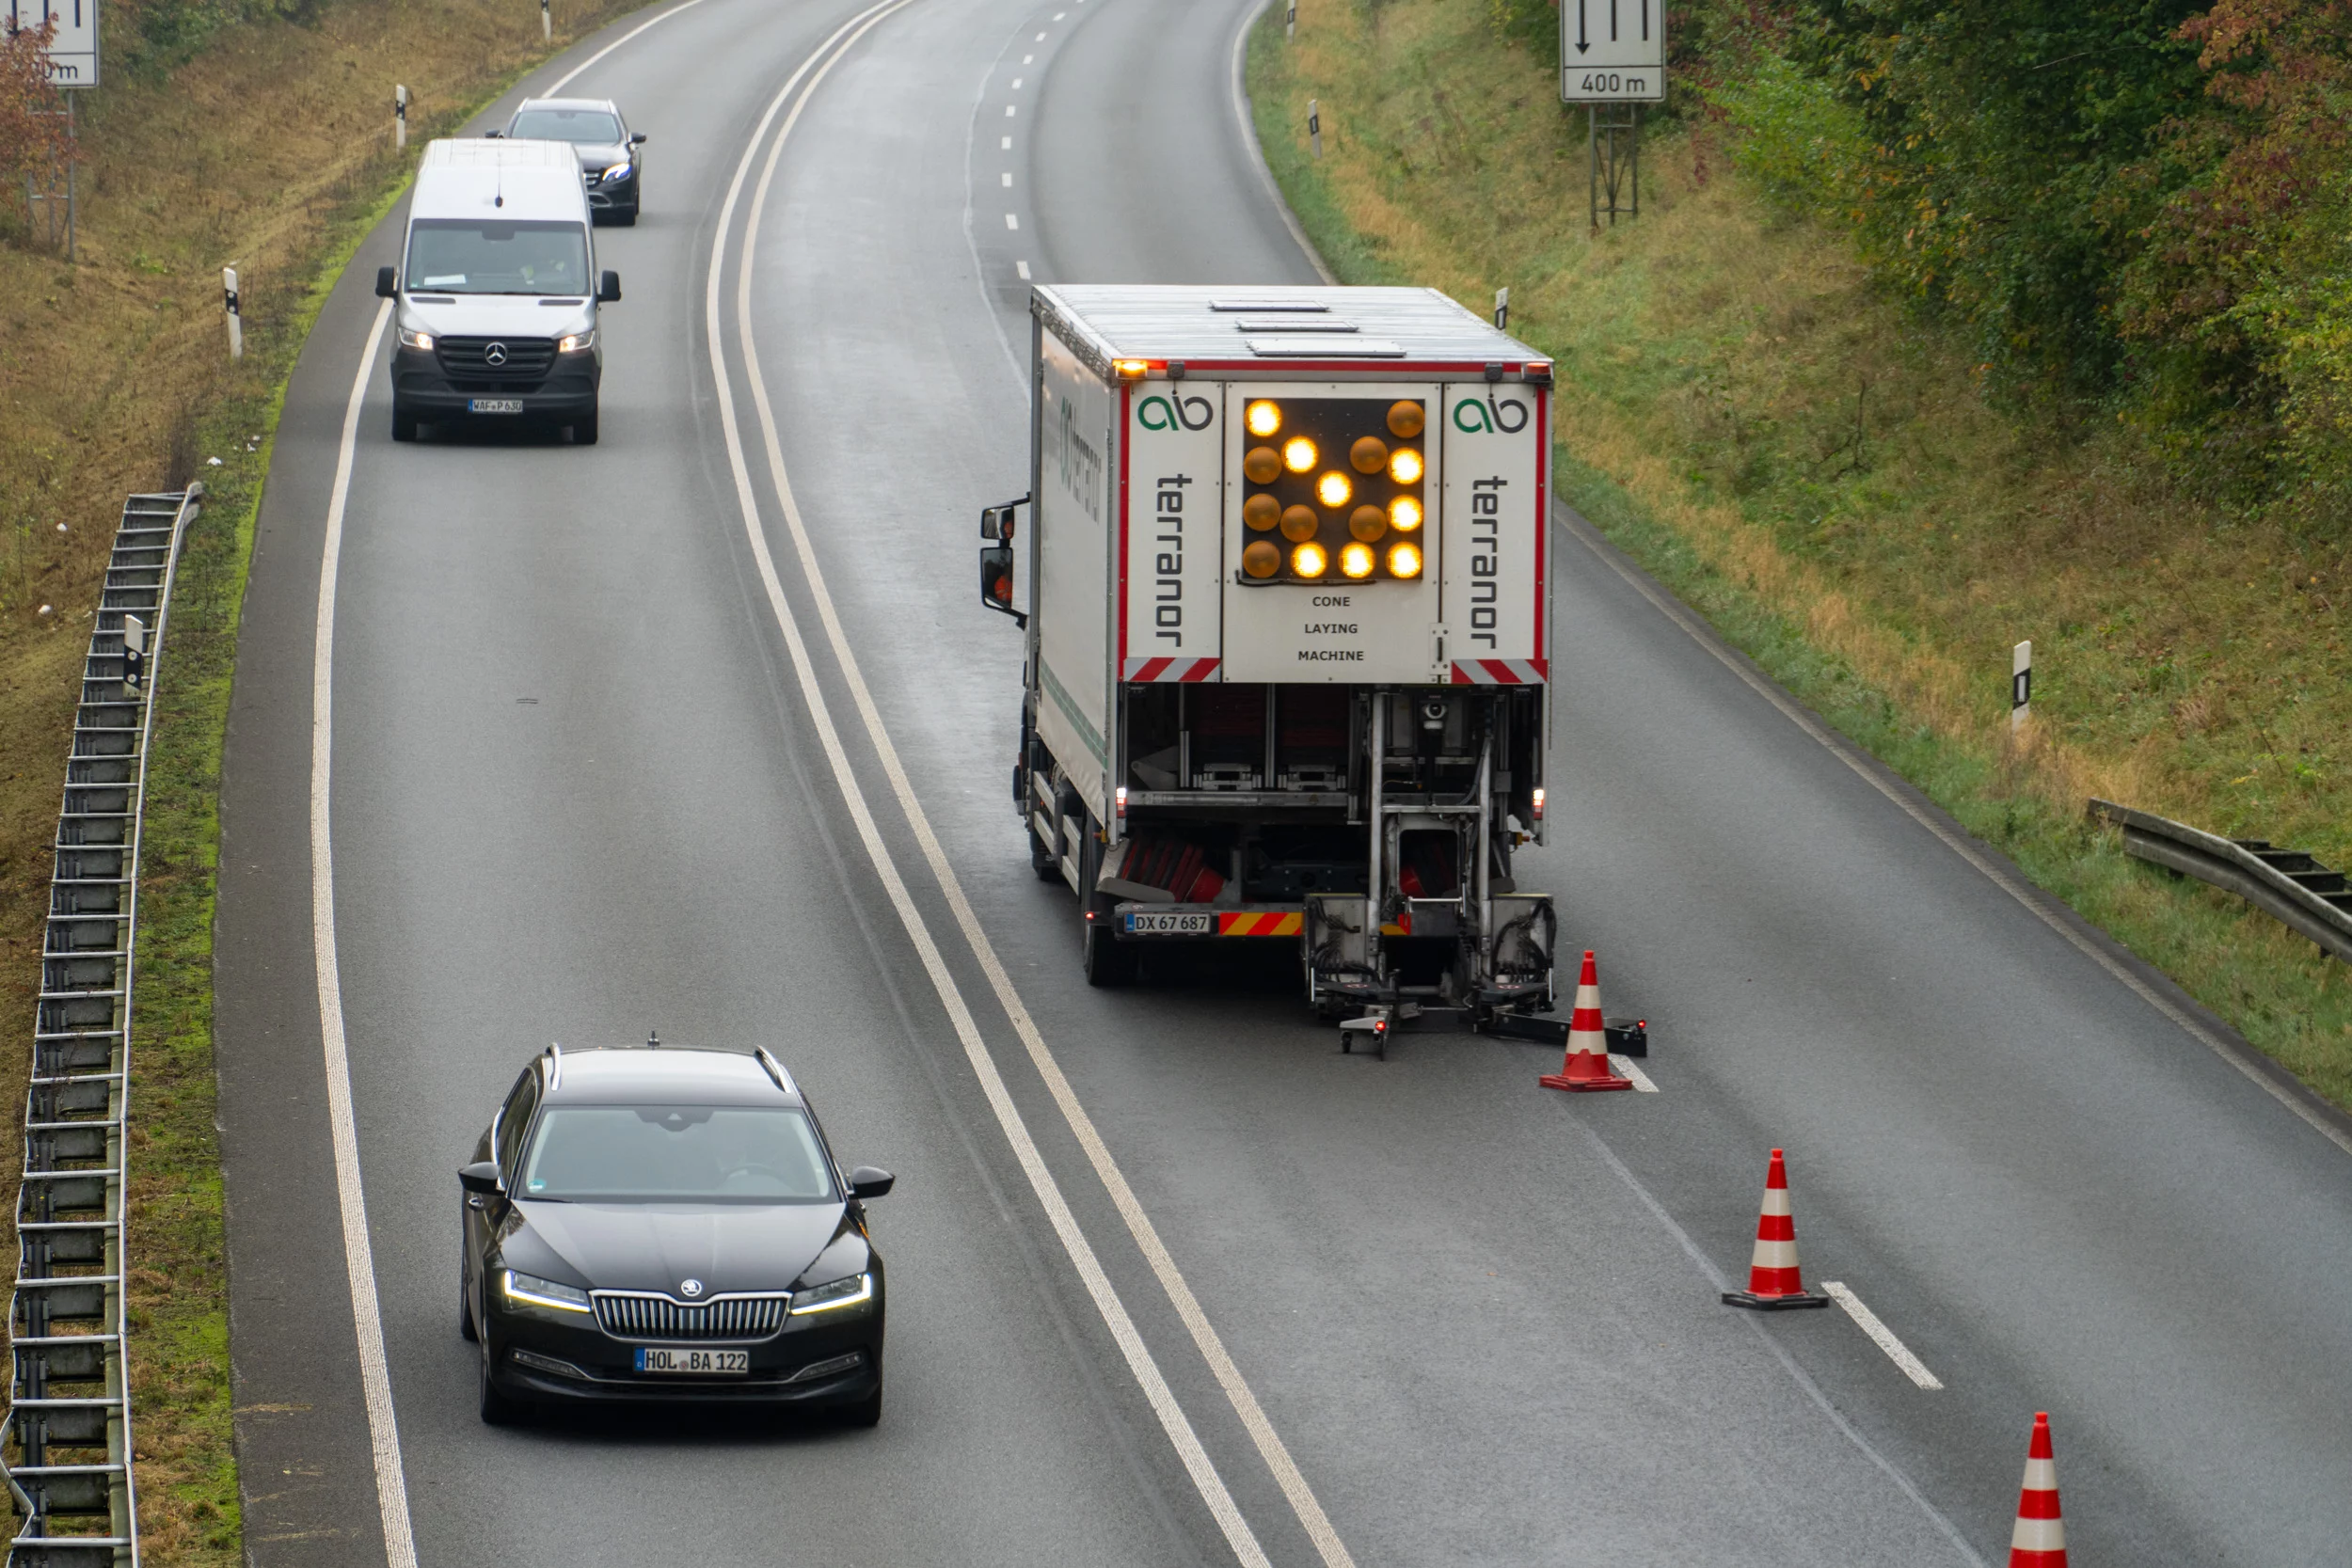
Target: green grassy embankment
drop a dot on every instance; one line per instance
(1821, 473)
(266, 145)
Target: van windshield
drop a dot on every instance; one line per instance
(580, 125)
(466, 256)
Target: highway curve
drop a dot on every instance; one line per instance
(1173, 1280)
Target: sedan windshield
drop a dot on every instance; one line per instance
(676, 1154)
(463, 256)
(588, 125)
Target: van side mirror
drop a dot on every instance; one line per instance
(482, 1178)
(493, 135)
(609, 288)
(638, 139)
(870, 1182)
(387, 283)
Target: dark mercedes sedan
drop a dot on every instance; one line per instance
(652, 1223)
(612, 156)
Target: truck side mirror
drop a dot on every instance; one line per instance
(997, 522)
(997, 581)
(609, 288)
(387, 283)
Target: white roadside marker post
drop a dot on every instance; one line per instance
(400, 120)
(1290, 21)
(1503, 310)
(1315, 127)
(230, 305)
(2020, 684)
(547, 23)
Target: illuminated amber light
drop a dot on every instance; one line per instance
(1264, 465)
(1368, 454)
(1334, 490)
(1309, 561)
(1405, 560)
(1356, 561)
(1298, 454)
(1404, 468)
(1300, 522)
(1405, 421)
(1264, 418)
(1132, 370)
(1405, 513)
(1367, 523)
(1261, 512)
(1261, 560)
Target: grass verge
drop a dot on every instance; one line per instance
(1816, 470)
(270, 151)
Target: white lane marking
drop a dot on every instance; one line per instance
(1011, 222)
(1023, 267)
(1880, 1335)
(1006, 144)
(1146, 1370)
(1632, 1073)
(1028, 59)
(1269, 1443)
(376, 1379)
(1016, 83)
(1008, 180)
(1009, 111)
(1257, 154)
(1837, 747)
(1797, 1374)
(566, 80)
(1041, 37)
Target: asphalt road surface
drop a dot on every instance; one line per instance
(1173, 1280)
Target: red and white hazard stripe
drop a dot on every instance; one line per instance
(2039, 1538)
(1168, 669)
(1500, 672)
(1773, 1267)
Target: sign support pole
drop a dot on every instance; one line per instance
(1613, 141)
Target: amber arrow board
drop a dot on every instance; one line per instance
(1613, 51)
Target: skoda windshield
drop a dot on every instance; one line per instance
(466, 256)
(676, 1154)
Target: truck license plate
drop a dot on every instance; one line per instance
(693, 1363)
(494, 405)
(1144, 922)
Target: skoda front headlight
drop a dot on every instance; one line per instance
(528, 1290)
(855, 1291)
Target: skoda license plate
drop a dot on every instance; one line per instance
(693, 1363)
(1149, 923)
(494, 405)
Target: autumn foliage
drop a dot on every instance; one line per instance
(32, 124)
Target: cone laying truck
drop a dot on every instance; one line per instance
(1282, 577)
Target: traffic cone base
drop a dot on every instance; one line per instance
(1585, 1067)
(1774, 1303)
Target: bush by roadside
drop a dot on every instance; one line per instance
(1818, 469)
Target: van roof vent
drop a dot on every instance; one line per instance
(1303, 307)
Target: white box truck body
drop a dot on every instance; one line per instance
(1289, 633)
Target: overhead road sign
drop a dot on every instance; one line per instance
(73, 49)
(1613, 51)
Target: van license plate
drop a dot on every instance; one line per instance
(693, 1363)
(1151, 924)
(494, 405)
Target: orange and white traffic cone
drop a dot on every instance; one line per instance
(1586, 1069)
(2039, 1538)
(1774, 1281)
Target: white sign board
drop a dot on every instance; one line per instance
(1613, 51)
(73, 52)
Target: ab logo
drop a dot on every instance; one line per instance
(1473, 418)
(1162, 413)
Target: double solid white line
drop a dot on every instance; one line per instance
(1140, 1361)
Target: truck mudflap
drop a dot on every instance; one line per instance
(1203, 920)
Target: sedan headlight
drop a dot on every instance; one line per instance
(422, 341)
(528, 1289)
(578, 342)
(616, 174)
(857, 1289)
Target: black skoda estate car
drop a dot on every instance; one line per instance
(652, 1223)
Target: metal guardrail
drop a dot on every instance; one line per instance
(68, 1398)
(2286, 885)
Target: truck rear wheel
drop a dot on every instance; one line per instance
(1109, 962)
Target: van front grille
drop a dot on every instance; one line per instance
(631, 1316)
(496, 364)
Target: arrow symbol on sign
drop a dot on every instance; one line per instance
(1583, 32)
(1613, 21)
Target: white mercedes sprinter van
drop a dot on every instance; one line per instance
(497, 298)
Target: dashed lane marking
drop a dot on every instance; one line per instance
(1880, 1335)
